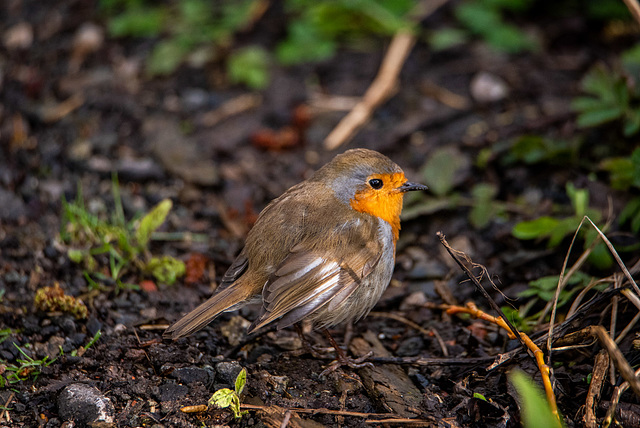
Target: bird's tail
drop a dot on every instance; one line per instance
(207, 311)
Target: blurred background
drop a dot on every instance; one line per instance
(521, 116)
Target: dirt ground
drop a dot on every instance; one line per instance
(65, 130)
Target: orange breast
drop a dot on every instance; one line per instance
(385, 203)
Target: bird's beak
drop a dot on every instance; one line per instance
(408, 187)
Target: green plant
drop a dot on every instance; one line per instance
(249, 66)
(545, 288)
(536, 412)
(555, 229)
(125, 244)
(486, 19)
(610, 97)
(195, 30)
(198, 31)
(26, 368)
(5, 333)
(442, 173)
(316, 27)
(624, 174)
(51, 299)
(225, 397)
(535, 149)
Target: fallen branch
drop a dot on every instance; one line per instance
(385, 83)
(545, 372)
(502, 321)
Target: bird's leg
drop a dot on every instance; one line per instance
(342, 359)
(315, 350)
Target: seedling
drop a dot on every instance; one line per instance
(225, 397)
(124, 244)
(27, 367)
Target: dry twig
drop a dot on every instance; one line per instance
(595, 388)
(384, 85)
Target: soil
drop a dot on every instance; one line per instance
(64, 130)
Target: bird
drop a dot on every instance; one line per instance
(323, 251)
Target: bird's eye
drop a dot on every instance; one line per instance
(376, 183)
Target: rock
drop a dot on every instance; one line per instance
(179, 154)
(235, 330)
(194, 374)
(138, 169)
(89, 38)
(11, 206)
(227, 371)
(85, 405)
(488, 88)
(20, 36)
(172, 391)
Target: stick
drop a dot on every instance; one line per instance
(385, 83)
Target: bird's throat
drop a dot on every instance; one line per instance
(386, 206)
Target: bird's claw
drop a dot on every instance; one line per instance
(343, 360)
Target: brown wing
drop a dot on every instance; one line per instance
(309, 279)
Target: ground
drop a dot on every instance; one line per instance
(69, 119)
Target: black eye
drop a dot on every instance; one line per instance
(376, 183)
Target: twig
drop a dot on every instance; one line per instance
(408, 421)
(322, 411)
(285, 420)
(5, 416)
(445, 96)
(230, 108)
(619, 360)
(403, 320)
(472, 310)
(384, 84)
(380, 90)
(613, 405)
(455, 255)
(634, 8)
(423, 361)
(600, 367)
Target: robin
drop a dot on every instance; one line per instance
(323, 251)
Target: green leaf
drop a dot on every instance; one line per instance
(483, 208)
(536, 412)
(600, 257)
(153, 220)
(620, 172)
(76, 256)
(241, 380)
(566, 226)
(304, 44)
(138, 22)
(249, 66)
(479, 396)
(510, 39)
(447, 38)
(635, 160)
(442, 169)
(631, 212)
(222, 398)
(538, 228)
(166, 57)
(598, 117)
(579, 199)
(166, 269)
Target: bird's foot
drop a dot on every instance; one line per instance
(343, 360)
